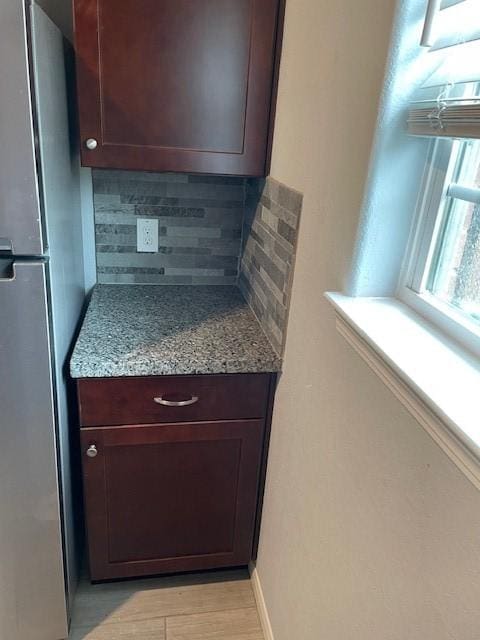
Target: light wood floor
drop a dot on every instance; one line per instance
(207, 606)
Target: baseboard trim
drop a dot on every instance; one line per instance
(260, 601)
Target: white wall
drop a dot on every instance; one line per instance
(369, 531)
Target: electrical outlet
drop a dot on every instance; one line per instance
(147, 235)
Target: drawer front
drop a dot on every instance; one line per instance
(120, 401)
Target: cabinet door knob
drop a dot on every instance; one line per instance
(91, 144)
(92, 451)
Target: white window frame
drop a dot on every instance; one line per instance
(412, 290)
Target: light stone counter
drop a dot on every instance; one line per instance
(135, 330)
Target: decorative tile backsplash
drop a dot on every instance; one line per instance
(272, 216)
(200, 227)
(212, 230)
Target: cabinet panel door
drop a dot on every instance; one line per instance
(164, 498)
(176, 85)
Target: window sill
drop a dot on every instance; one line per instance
(435, 379)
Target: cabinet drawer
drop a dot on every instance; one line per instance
(120, 401)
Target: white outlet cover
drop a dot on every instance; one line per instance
(147, 235)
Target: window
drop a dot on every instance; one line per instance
(441, 278)
(453, 275)
(437, 164)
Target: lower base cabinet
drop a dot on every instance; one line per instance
(174, 496)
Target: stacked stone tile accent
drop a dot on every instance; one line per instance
(200, 227)
(272, 216)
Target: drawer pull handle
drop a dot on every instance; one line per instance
(176, 403)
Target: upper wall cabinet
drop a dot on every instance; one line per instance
(178, 85)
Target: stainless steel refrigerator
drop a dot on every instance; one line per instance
(41, 297)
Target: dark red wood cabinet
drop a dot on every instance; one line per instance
(178, 85)
(175, 489)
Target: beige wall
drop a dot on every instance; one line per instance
(369, 531)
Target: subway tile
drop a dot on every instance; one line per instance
(265, 201)
(257, 305)
(278, 262)
(114, 207)
(112, 248)
(107, 237)
(177, 271)
(273, 271)
(163, 279)
(277, 313)
(217, 262)
(126, 278)
(283, 196)
(287, 232)
(208, 191)
(106, 199)
(255, 263)
(151, 200)
(272, 287)
(116, 229)
(269, 219)
(225, 218)
(283, 253)
(260, 293)
(107, 217)
(229, 250)
(217, 242)
(133, 187)
(268, 241)
(131, 270)
(194, 232)
(168, 212)
(223, 222)
(288, 198)
(284, 214)
(181, 241)
(201, 251)
(180, 202)
(130, 260)
(272, 188)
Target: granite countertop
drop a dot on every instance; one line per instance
(136, 330)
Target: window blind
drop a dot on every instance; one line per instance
(448, 103)
(451, 120)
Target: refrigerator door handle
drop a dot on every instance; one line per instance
(6, 245)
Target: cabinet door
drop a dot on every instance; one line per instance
(176, 85)
(164, 498)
